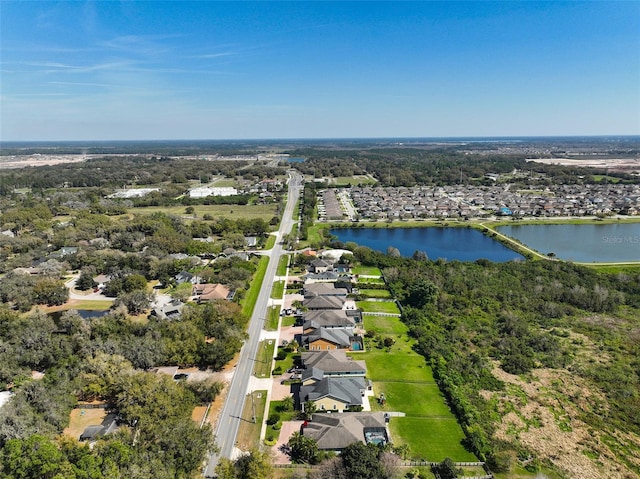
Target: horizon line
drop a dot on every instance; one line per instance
(345, 138)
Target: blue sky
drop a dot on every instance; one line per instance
(218, 70)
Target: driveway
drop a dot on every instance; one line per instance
(288, 428)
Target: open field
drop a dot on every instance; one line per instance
(402, 375)
(378, 307)
(384, 325)
(265, 212)
(375, 293)
(80, 419)
(367, 271)
(433, 439)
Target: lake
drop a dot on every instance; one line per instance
(462, 244)
(601, 243)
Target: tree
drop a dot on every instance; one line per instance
(448, 470)
(254, 465)
(361, 461)
(33, 458)
(308, 409)
(135, 301)
(85, 280)
(302, 449)
(419, 255)
(420, 293)
(51, 292)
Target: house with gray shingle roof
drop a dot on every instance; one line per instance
(334, 432)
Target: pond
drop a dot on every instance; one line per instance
(584, 243)
(462, 244)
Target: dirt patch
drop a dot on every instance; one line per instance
(80, 419)
(543, 413)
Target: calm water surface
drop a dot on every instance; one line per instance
(606, 243)
(462, 244)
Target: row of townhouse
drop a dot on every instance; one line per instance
(474, 201)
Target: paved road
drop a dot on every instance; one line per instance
(231, 414)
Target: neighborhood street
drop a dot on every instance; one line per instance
(231, 414)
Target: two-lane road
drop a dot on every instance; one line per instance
(231, 414)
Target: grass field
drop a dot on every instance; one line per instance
(89, 304)
(433, 439)
(354, 180)
(367, 271)
(249, 432)
(429, 427)
(375, 293)
(270, 243)
(273, 317)
(365, 281)
(277, 290)
(378, 307)
(264, 359)
(265, 212)
(249, 301)
(282, 265)
(384, 325)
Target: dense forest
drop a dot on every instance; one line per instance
(475, 321)
(410, 167)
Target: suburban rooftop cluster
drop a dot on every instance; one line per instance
(477, 201)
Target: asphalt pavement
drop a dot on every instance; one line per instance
(231, 414)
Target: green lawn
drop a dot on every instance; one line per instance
(270, 243)
(414, 399)
(264, 359)
(288, 321)
(365, 281)
(429, 427)
(354, 180)
(273, 316)
(277, 290)
(286, 363)
(378, 307)
(282, 265)
(400, 364)
(433, 439)
(367, 271)
(385, 325)
(375, 293)
(249, 301)
(275, 408)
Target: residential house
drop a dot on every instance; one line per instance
(170, 311)
(334, 432)
(324, 302)
(212, 292)
(320, 266)
(334, 393)
(324, 289)
(93, 433)
(333, 363)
